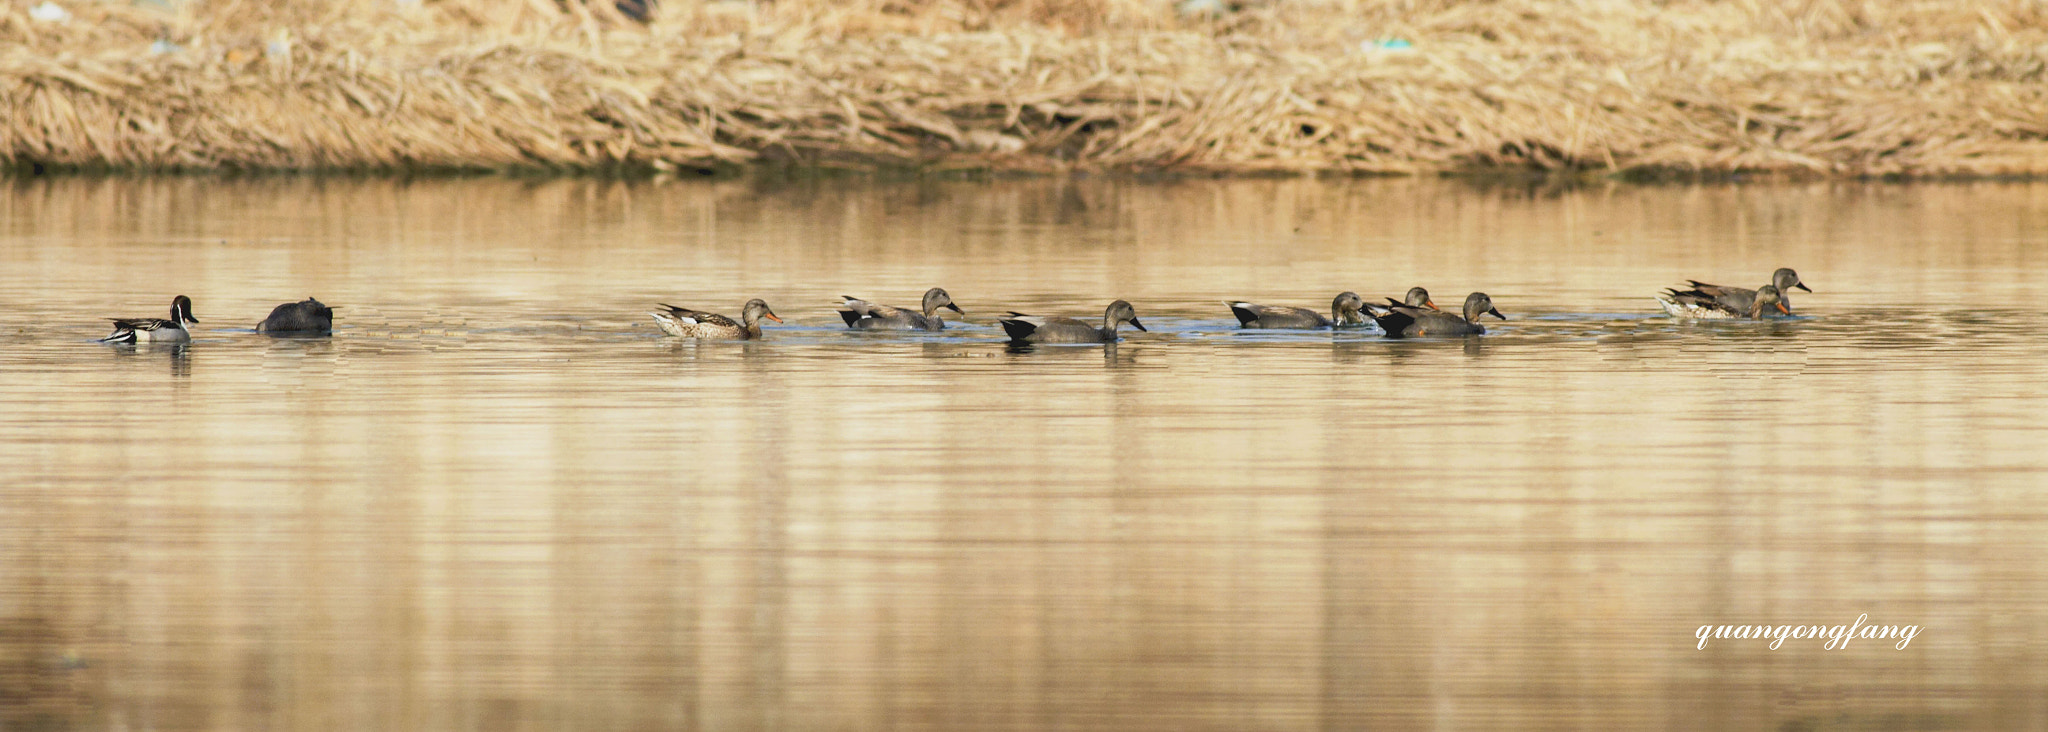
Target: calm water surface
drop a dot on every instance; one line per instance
(498, 499)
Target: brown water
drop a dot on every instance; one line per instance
(498, 499)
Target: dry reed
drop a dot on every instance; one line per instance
(1806, 87)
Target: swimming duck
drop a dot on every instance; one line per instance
(155, 330)
(687, 323)
(1416, 298)
(1407, 321)
(1343, 311)
(863, 315)
(1034, 329)
(1737, 299)
(1701, 305)
(305, 316)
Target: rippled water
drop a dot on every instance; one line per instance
(497, 498)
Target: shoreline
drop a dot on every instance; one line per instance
(1541, 88)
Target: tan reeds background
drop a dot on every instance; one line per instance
(1806, 87)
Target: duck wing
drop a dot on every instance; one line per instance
(125, 329)
(1276, 316)
(687, 316)
(1737, 298)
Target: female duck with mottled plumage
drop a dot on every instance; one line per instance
(1416, 298)
(863, 315)
(305, 316)
(1034, 329)
(1714, 302)
(1404, 321)
(155, 330)
(687, 323)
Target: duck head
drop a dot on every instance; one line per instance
(1785, 279)
(1121, 312)
(1768, 297)
(936, 298)
(1345, 309)
(1477, 304)
(755, 310)
(181, 310)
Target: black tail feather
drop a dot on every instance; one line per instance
(1244, 315)
(1018, 329)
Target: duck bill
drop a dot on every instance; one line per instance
(1138, 325)
(955, 308)
(771, 316)
(1781, 308)
(1495, 312)
(1431, 304)
(1802, 286)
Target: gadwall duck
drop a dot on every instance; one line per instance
(687, 323)
(863, 315)
(305, 316)
(155, 330)
(1416, 298)
(1406, 321)
(1033, 329)
(1345, 310)
(1736, 300)
(1705, 306)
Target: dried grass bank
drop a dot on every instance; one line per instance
(1802, 87)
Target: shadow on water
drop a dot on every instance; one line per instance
(176, 356)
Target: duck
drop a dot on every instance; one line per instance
(1734, 299)
(1034, 329)
(687, 323)
(1344, 310)
(863, 315)
(305, 316)
(1416, 298)
(155, 330)
(1700, 305)
(1406, 321)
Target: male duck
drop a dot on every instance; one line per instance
(1345, 310)
(1034, 329)
(863, 315)
(1406, 321)
(155, 330)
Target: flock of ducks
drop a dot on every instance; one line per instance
(1414, 316)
